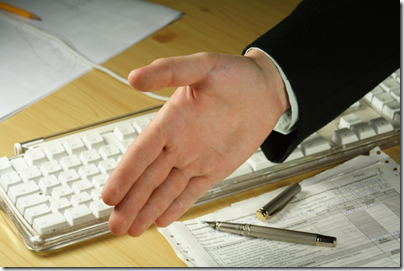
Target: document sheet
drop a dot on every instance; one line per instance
(361, 208)
(33, 65)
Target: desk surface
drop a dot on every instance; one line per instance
(225, 26)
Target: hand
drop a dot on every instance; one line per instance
(224, 108)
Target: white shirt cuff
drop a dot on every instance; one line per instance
(289, 118)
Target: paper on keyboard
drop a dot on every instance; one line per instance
(32, 66)
(361, 209)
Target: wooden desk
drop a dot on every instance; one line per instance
(224, 26)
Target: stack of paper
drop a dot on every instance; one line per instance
(32, 65)
(361, 207)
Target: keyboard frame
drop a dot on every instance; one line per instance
(71, 235)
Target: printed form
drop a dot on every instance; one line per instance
(361, 209)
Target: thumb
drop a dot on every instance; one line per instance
(173, 72)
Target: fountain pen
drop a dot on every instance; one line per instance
(300, 237)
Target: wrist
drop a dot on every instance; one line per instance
(272, 73)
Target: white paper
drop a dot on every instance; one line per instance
(362, 161)
(32, 66)
(361, 209)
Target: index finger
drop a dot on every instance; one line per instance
(140, 154)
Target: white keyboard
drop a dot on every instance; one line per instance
(51, 189)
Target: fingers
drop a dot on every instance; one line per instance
(128, 208)
(173, 72)
(161, 198)
(140, 154)
(195, 189)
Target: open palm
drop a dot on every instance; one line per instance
(224, 108)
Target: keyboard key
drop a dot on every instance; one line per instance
(107, 166)
(348, 120)
(363, 130)
(62, 192)
(74, 145)
(259, 161)
(51, 168)
(22, 190)
(396, 74)
(96, 193)
(19, 164)
(397, 117)
(381, 125)
(389, 84)
(54, 151)
(100, 209)
(392, 108)
(93, 140)
(99, 180)
(344, 136)
(124, 145)
(88, 171)
(110, 138)
(60, 205)
(81, 199)
(47, 184)
(243, 169)
(381, 99)
(124, 131)
(110, 151)
(82, 186)
(31, 201)
(70, 162)
(5, 166)
(355, 105)
(78, 215)
(50, 223)
(396, 94)
(90, 156)
(314, 144)
(35, 157)
(69, 177)
(377, 90)
(37, 211)
(31, 174)
(50, 199)
(140, 124)
(10, 179)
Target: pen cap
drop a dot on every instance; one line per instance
(277, 203)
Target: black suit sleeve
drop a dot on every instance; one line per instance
(333, 53)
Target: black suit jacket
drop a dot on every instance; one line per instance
(333, 53)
